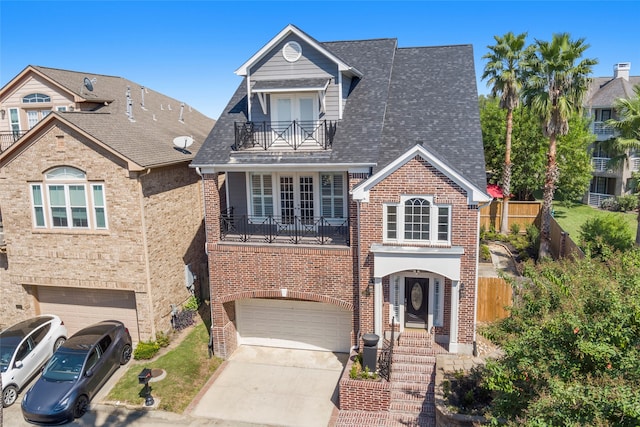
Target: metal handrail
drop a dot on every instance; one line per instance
(284, 229)
(7, 139)
(385, 357)
(284, 135)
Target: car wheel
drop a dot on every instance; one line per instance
(58, 343)
(126, 354)
(81, 406)
(9, 395)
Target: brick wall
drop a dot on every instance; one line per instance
(111, 259)
(363, 395)
(418, 177)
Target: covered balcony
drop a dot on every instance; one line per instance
(307, 230)
(295, 135)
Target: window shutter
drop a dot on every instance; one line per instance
(437, 303)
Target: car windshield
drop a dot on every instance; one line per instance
(64, 366)
(8, 345)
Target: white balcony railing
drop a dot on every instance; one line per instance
(602, 130)
(600, 164)
(596, 199)
(635, 164)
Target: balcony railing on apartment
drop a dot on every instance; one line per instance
(7, 139)
(603, 131)
(596, 199)
(635, 164)
(600, 164)
(284, 229)
(317, 134)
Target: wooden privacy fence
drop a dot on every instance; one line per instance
(562, 246)
(521, 213)
(494, 293)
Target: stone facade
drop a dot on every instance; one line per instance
(154, 229)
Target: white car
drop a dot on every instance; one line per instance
(24, 348)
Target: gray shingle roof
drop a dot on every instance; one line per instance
(405, 95)
(604, 91)
(148, 139)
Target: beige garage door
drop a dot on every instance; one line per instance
(293, 324)
(79, 308)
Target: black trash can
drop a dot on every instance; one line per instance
(370, 352)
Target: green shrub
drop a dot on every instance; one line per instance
(533, 235)
(192, 304)
(145, 350)
(609, 204)
(627, 203)
(162, 339)
(515, 228)
(485, 253)
(599, 233)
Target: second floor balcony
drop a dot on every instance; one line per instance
(284, 229)
(295, 135)
(603, 131)
(7, 139)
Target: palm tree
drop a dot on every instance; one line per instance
(504, 72)
(628, 138)
(556, 79)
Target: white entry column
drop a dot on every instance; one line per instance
(378, 298)
(455, 302)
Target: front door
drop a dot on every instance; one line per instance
(296, 199)
(416, 294)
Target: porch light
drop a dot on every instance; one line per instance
(3, 113)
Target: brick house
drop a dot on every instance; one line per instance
(608, 182)
(342, 188)
(102, 214)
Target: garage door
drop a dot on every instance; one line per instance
(79, 308)
(293, 324)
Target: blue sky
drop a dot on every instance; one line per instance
(189, 50)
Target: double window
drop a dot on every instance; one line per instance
(417, 219)
(66, 200)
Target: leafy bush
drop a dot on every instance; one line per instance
(485, 253)
(162, 339)
(627, 203)
(515, 228)
(192, 304)
(357, 373)
(609, 204)
(183, 319)
(145, 350)
(602, 232)
(572, 346)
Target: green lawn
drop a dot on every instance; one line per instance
(570, 219)
(188, 368)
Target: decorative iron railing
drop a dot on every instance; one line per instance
(7, 139)
(284, 229)
(600, 164)
(316, 134)
(385, 355)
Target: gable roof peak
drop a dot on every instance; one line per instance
(243, 70)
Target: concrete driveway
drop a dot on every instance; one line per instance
(273, 386)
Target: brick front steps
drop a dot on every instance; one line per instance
(411, 387)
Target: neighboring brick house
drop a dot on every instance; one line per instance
(102, 215)
(608, 181)
(342, 190)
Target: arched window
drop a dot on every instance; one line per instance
(66, 200)
(34, 98)
(417, 219)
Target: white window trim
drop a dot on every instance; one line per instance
(433, 222)
(66, 180)
(17, 110)
(43, 206)
(344, 197)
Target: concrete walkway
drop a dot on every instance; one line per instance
(273, 386)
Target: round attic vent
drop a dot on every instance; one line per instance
(292, 51)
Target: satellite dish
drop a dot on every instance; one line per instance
(89, 83)
(182, 142)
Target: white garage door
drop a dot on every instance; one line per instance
(293, 324)
(79, 308)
